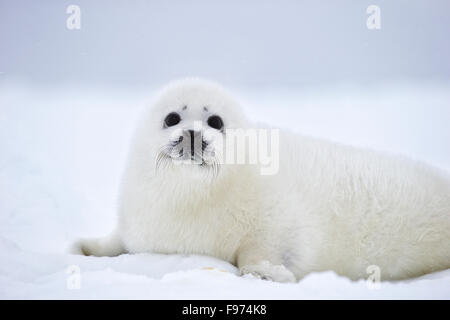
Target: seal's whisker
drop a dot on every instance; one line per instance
(162, 157)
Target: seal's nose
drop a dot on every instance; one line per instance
(192, 142)
(191, 134)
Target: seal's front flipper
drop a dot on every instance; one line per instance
(262, 262)
(267, 271)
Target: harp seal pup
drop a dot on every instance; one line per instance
(329, 206)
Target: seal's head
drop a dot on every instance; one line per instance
(188, 124)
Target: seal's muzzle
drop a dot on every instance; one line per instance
(192, 146)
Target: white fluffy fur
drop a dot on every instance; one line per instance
(330, 207)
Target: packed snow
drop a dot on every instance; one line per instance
(63, 152)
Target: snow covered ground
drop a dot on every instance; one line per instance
(63, 151)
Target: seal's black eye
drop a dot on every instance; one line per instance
(172, 119)
(215, 122)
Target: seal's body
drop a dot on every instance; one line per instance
(329, 206)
